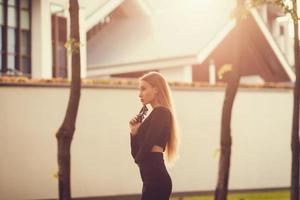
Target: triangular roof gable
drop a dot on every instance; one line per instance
(261, 53)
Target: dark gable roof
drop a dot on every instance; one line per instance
(258, 53)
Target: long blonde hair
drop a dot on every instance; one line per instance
(164, 98)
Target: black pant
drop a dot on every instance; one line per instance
(157, 184)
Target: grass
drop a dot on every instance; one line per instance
(271, 195)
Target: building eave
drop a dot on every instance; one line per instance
(216, 41)
(95, 17)
(273, 45)
(109, 69)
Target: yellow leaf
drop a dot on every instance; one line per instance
(225, 68)
(216, 153)
(55, 175)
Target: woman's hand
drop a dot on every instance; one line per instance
(134, 125)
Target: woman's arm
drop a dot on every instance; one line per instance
(133, 144)
(134, 125)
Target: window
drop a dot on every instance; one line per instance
(59, 38)
(15, 36)
(281, 30)
(2, 39)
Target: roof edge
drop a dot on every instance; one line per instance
(101, 70)
(98, 15)
(216, 41)
(273, 45)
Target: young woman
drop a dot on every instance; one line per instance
(154, 138)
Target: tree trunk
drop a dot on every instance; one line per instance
(66, 131)
(224, 162)
(295, 125)
(230, 93)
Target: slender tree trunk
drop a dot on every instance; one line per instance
(295, 125)
(66, 131)
(224, 162)
(230, 93)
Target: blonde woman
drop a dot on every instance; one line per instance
(155, 137)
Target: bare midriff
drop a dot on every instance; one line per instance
(156, 148)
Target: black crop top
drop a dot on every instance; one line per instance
(154, 130)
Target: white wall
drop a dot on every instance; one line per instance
(82, 34)
(41, 39)
(182, 73)
(101, 160)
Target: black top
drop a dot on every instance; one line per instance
(155, 130)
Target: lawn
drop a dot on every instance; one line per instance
(272, 195)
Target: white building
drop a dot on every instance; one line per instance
(34, 33)
(126, 36)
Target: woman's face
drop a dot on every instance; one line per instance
(147, 92)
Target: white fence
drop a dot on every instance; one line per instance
(101, 160)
